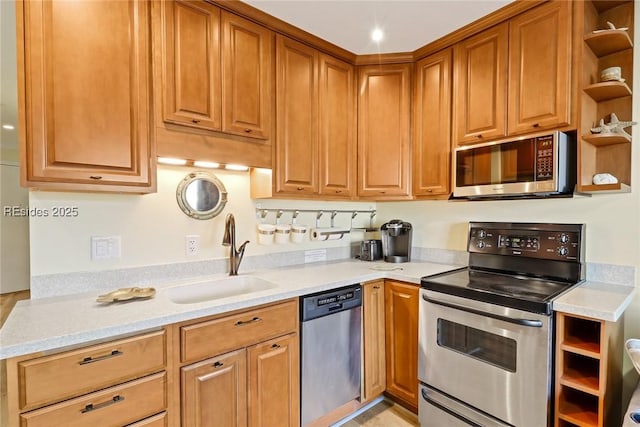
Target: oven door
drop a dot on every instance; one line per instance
(494, 358)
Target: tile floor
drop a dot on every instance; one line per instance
(384, 414)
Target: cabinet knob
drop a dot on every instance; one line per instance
(96, 177)
(196, 121)
(429, 190)
(300, 188)
(275, 346)
(338, 191)
(247, 130)
(217, 364)
(479, 135)
(535, 125)
(383, 192)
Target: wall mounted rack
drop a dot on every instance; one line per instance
(263, 212)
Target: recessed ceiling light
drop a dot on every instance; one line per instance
(377, 35)
(8, 127)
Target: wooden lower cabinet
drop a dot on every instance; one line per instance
(374, 381)
(274, 383)
(401, 320)
(214, 391)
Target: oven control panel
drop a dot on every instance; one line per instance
(561, 242)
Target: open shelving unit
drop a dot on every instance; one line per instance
(604, 48)
(587, 372)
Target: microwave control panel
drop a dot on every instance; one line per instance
(544, 158)
(561, 242)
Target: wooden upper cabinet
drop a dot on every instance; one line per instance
(540, 68)
(247, 51)
(337, 109)
(191, 64)
(84, 89)
(480, 86)
(432, 125)
(297, 117)
(384, 107)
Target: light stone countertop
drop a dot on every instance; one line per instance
(602, 301)
(46, 324)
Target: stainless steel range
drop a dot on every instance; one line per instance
(485, 353)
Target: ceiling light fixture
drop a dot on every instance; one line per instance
(241, 168)
(172, 161)
(377, 35)
(204, 164)
(8, 127)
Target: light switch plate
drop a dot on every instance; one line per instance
(315, 255)
(105, 247)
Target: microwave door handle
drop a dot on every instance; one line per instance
(440, 406)
(522, 322)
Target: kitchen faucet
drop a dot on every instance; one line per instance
(229, 239)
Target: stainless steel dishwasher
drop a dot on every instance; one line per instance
(331, 332)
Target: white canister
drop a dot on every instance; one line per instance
(282, 233)
(266, 233)
(298, 233)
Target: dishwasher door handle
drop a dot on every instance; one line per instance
(335, 307)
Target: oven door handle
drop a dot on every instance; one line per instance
(440, 406)
(522, 322)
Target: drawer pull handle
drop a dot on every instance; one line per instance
(91, 407)
(247, 322)
(376, 287)
(299, 188)
(275, 346)
(535, 125)
(96, 177)
(217, 364)
(196, 121)
(90, 359)
(247, 130)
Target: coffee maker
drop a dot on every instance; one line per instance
(396, 241)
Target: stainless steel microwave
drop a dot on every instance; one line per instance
(534, 165)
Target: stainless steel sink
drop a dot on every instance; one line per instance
(219, 288)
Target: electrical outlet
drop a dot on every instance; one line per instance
(192, 245)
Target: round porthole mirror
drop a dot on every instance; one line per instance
(201, 195)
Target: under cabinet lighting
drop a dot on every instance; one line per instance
(204, 164)
(8, 127)
(241, 168)
(172, 161)
(377, 35)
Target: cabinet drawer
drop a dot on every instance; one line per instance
(115, 406)
(206, 339)
(53, 378)
(159, 420)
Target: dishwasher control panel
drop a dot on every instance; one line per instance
(328, 302)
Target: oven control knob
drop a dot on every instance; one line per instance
(564, 238)
(563, 251)
(480, 244)
(482, 234)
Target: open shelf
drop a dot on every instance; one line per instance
(578, 408)
(604, 5)
(582, 336)
(581, 373)
(608, 41)
(604, 91)
(602, 139)
(606, 188)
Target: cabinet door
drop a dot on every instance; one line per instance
(401, 319)
(432, 126)
(539, 70)
(191, 64)
(480, 86)
(84, 95)
(337, 128)
(374, 352)
(214, 391)
(246, 92)
(297, 122)
(274, 386)
(383, 131)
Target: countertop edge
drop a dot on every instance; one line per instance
(575, 301)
